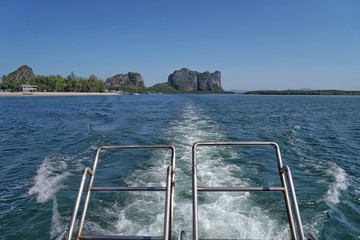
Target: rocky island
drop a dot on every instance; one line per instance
(185, 80)
(122, 80)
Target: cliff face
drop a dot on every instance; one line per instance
(22, 75)
(121, 80)
(189, 81)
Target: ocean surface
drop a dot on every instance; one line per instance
(46, 142)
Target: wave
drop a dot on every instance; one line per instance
(324, 180)
(338, 186)
(50, 175)
(335, 180)
(55, 170)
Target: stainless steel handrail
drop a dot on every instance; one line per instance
(169, 194)
(78, 200)
(294, 201)
(287, 187)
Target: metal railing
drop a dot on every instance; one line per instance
(287, 187)
(168, 189)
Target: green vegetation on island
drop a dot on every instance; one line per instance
(52, 83)
(163, 88)
(303, 92)
(56, 83)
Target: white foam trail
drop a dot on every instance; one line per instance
(222, 218)
(49, 176)
(219, 219)
(340, 184)
(132, 225)
(56, 227)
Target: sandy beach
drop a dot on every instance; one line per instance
(51, 94)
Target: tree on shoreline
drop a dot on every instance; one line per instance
(303, 92)
(56, 83)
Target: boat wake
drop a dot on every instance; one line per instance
(222, 215)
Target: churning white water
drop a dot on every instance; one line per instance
(221, 215)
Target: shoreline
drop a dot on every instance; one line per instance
(53, 94)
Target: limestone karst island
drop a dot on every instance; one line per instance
(24, 80)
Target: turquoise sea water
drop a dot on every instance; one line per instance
(45, 143)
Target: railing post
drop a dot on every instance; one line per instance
(300, 230)
(173, 155)
(286, 192)
(167, 214)
(77, 203)
(91, 181)
(195, 200)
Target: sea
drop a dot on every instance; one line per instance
(46, 142)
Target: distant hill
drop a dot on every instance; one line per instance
(236, 91)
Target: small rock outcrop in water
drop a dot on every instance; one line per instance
(121, 80)
(23, 74)
(191, 81)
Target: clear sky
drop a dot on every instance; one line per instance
(256, 44)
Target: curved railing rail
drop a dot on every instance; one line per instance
(287, 187)
(168, 189)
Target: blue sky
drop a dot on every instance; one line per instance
(255, 44)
